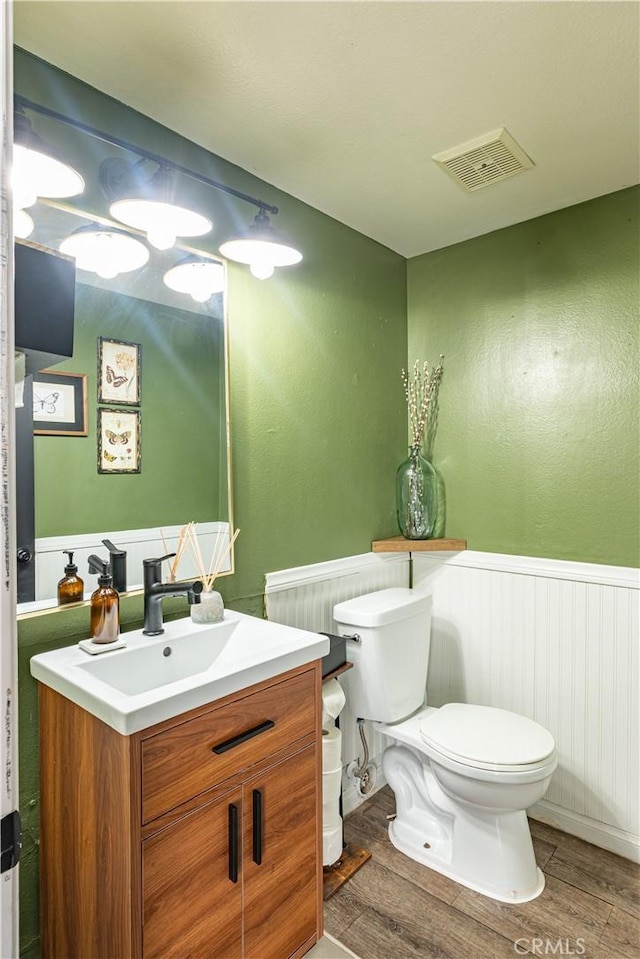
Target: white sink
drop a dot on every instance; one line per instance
(156, 678)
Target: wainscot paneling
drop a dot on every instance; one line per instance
(555, 641)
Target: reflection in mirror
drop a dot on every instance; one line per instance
(159, 463)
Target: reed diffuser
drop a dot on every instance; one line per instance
(210, 609)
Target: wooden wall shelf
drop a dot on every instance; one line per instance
(398, 544)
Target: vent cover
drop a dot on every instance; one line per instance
(485, 160)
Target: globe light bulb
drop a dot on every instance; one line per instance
(200, 296)
(107, 271)
(261, 269)
(22, 224)
(161, 237)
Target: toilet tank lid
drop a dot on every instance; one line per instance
(382, 607)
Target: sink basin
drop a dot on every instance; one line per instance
(160, 663)
(190, 665)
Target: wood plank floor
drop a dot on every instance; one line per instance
(394, 908)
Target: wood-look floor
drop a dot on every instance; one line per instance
(394, 908)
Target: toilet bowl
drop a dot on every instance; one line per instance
(464, 815)
(463, 775)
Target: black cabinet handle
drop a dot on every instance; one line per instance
(233, 842)
(243, 737)
(257, 827)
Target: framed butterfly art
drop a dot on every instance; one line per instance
(119, 370)
(59, 404)
(118, 441)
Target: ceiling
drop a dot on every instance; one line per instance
(342, 103)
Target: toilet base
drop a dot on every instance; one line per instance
(408, 842)
(485, 850)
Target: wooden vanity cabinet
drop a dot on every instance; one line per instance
(188, 840)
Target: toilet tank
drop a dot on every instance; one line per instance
(389, 676)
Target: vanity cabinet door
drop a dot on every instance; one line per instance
(192, 884)
(280, 856)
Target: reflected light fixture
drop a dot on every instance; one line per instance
(197, 277)
(22, 224)
(37, 169)
(106, 251)
(261, 247)
(148, 205)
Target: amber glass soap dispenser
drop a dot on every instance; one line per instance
(70, 587)
(105, 604)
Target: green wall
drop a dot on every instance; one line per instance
(318, 423)
(182, 387)
(538, 430)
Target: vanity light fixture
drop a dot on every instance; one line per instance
(37, 169)
(261, 247)
(197, 277)
(148, 205)
(106, 251)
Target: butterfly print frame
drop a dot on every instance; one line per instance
(119, 441)
(119, 372)
(59, 404)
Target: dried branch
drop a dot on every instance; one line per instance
(421, 392)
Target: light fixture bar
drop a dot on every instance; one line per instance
(148, 154)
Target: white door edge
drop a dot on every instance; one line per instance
(8, 624)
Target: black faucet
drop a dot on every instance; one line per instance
(155, 589)
(118, 559)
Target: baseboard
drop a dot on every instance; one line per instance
(599, 833)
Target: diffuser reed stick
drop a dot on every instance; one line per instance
(183, 539)
(218, 557)
(224, 556)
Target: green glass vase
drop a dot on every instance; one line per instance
(416, 496)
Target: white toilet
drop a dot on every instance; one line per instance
(462, 775)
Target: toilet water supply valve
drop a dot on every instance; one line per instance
(363, 772)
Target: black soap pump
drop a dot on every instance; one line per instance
(70, 587)
(105, 604)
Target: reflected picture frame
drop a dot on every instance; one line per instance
(119, 372)
(59, 404)
(119, 448)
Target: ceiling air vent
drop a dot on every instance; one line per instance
(488, 159)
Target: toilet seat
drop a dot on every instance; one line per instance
(483, 737)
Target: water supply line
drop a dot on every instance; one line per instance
(364, 772)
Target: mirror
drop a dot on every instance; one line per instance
(179, 349)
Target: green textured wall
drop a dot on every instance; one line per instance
(318, 423)
(538, 429)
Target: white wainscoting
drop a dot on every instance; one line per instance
(139, 544)
(553, 640)
(557, 642)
